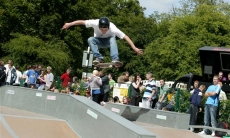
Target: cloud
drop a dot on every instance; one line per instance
(158, 5)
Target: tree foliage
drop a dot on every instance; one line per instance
(176, 53)
(30, 31)
(42, 21)
(29, 50)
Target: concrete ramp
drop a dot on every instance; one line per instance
(23, 124)
(34, 113)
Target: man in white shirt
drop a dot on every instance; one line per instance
(7, 66)
(19, 76)
(105, 34)
(149, 98)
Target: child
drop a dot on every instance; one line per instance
(195, 104)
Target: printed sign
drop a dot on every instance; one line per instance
(161, 117)
(49, 97)
(10, 91)
(115, 110)
(120, 92)
(91, 113)
(39, 94)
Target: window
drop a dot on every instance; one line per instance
(225, 64)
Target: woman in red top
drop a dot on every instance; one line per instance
(65, 78)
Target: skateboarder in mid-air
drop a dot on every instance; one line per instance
(105, 34)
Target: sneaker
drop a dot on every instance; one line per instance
(202, 132)
(115, 61)
(213, 134)
(97, 61)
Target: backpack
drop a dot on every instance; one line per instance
(222, 125)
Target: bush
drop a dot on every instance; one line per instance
(184, 107)
(183, 101)
(224, 111)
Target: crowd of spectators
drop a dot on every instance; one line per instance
(37, 77)
(99, 88)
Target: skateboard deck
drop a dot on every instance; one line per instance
(109, 65)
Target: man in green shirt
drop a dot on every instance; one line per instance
(163, 97)
(111, 84)
(111, 81)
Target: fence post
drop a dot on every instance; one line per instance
(58, 82)
(178, 99)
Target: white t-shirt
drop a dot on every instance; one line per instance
(8, 72)
(19, 75)
(113, 30)
(49, 79)
(7, 67)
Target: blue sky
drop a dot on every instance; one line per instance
(160, 5)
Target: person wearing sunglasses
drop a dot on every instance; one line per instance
(105, 33)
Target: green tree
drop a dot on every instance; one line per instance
(43, 20)
(176, 53)
(27, 50)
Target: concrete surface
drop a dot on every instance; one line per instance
(151, 116)
(27, 113)
(16, 123)
(88, 119)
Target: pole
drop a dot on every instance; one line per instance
(178, 99)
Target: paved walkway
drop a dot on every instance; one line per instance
(165, 132)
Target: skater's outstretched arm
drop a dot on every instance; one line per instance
(130, 42)
(78, 22)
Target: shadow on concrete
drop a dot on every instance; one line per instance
(133, 116)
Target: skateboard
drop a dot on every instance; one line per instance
(109, 65)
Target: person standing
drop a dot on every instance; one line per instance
(196, 85)
(2, 73)
(49, 78)
(38, 70)
(111, 85)
(149, 98)
(32, 77)
(163, 97)
(10, 61)
(211, 105)
(123, 78)
(221, 77)
(42, 79)
(195, 104)
(105, 87)
(11, 74)
(95, 83)
(111, 81)
(19, 76)
(135, 94)
(65, 78)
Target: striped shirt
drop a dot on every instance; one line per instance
(150, 86)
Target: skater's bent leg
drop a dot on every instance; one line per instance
(93, 43)
(113, 48)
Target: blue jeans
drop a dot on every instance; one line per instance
(210, 111)
(110, 42)
(41, 87)
(146, 103)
